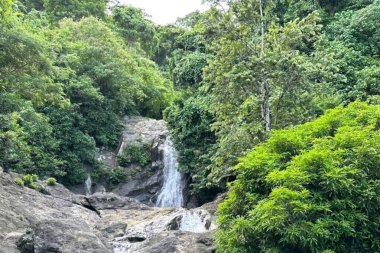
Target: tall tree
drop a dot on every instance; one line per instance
(75, 9)
(261, 70)
(133, 25)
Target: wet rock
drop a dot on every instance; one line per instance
(112, 201)
(143, 187)
(63, 222)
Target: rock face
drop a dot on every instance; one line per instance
(46, 223)
(131, 226)
(144, 185)
(60, 221)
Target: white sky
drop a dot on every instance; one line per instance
(166, 11)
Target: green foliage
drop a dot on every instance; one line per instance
(75, 147)
(354, 59)
(358, 29)
(138, 154)
(51, 181)
(29, 179)
(190, 122)
(105, 79)
(64, 89)
(74, 9)
(5, 11)
(311, 188)
(260, 81)
(118, 175)
(134, 27)
(29, 5)
(35, 186)
(19, 181)
(188, 70)
(111, 175)
(290, 10)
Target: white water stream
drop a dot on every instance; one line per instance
(172, 191)
(193, 221)
(171, 195)
(88, 185)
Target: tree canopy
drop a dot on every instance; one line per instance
(65, 87)
(311, 188)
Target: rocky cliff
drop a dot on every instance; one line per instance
(57, 220)
(146, 183)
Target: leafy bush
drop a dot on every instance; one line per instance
(117, 175)
(111, 175)
(51, 181)
(312, 188)
(19, 181)
(135, 154)
(34, 186)
(29, 179)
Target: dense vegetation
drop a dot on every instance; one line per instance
(311, 188)
(239, 80)
(267, 65)
(66, 85)
(273, 65)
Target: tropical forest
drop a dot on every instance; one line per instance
(250, 126)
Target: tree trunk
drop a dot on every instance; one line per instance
(264, 87)
(266, 107)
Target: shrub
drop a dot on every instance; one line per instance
(312, 188)
(34, 177)
(138, 154)
(111, 175)
(29, 179)
(51, 181)
(34, 186)
(19, 181)
(118, 175)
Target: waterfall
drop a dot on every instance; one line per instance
(171, 193)
(88, 185)
(193, 221)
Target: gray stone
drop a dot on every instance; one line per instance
(57, 221)
(145, 183)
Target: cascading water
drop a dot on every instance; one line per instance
(88, 185)
(171, 194)
(193, 221)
